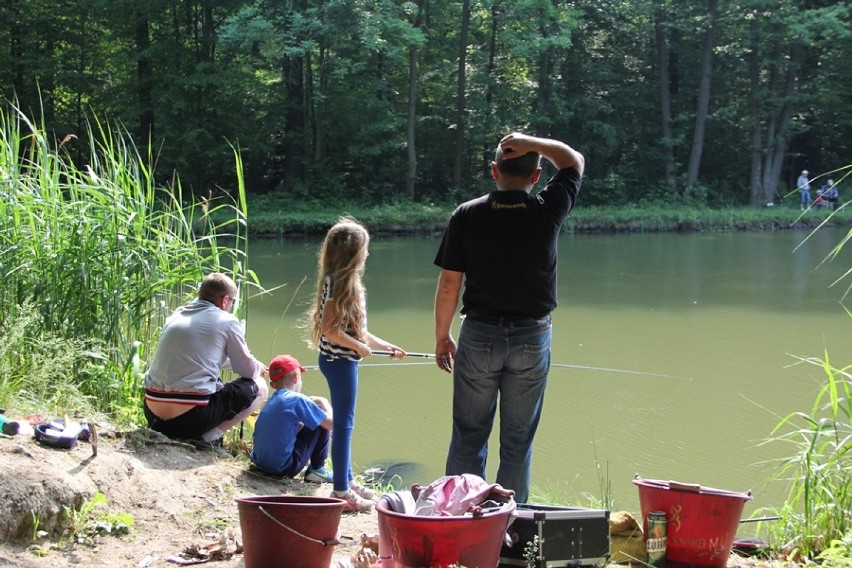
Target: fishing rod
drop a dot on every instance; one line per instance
(396, 364)
(390, 354)
(421, 355)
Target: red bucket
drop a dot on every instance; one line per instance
(439, 542)
(701, 522)
(287, 530)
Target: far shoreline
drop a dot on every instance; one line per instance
(414, 219)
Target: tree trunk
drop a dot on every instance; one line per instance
(143, 82)
(411, 118)
(488, 148)
(292, 142)
(757, 189)
(786, 117)
(541, 116)
(703, 98)
(411, 175)
(16, 34)
(458, 151)
(665, 102)
(208, 43)
(317, 111)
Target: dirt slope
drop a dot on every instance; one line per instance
(177, 496)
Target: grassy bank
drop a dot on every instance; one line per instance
(271, 217)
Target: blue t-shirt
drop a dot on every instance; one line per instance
(278, 425)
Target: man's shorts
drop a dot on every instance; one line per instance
(235, 396)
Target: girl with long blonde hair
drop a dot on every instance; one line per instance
(338, 328)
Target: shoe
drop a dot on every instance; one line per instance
(362, 491)
(319, 475)
(353, 503)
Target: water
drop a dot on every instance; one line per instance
(674, 356)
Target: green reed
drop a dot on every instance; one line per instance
(817, 513)
(102, 253)
(817, 468)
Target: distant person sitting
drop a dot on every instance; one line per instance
(831, 194)
(185, 397)
(292, 429)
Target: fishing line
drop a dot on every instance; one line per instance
(556, 365)
(624, 371)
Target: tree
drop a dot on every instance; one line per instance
(665, 100)
(460, 96)
(703, 97)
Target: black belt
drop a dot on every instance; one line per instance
(506, 320)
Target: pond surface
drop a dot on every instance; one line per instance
(674, 357)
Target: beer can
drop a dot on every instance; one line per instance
(655, 539)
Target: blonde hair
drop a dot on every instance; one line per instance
(341, 257)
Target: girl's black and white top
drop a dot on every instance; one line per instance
(327, 348)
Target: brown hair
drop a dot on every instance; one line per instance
(341, 257)
(215, 285)
(523, 166)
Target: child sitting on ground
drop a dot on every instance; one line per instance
(292, 429)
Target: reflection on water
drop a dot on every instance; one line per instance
(674, 356)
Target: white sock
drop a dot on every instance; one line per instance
(212, 435)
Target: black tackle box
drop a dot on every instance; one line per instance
(566, 537)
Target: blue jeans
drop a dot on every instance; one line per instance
(510, 360)
(342, 377)
(311, 447)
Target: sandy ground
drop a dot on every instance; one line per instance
(179, 498)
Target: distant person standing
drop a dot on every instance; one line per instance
(804, 187)
(503, 245)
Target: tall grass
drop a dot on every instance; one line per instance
(97, 255)
(818, 468)
(816, 518)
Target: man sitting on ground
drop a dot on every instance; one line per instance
(292, 430)
(185, 397)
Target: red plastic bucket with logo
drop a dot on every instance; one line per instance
(439, 542)
(701, 522)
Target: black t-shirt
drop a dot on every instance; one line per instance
(505, 243)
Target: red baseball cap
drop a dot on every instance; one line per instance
(283, 364)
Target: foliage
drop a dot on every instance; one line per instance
(838, 554)
(93, 258)
(271, 216)
(87, 527)
(317, 94)
(531, 551)
(34, 367)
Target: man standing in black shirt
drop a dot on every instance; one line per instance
(503, 245)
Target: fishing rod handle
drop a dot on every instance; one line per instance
(390, 353)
